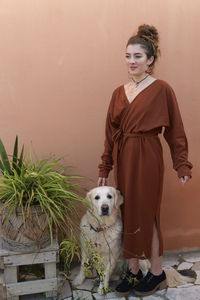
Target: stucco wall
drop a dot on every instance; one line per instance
(59, 63)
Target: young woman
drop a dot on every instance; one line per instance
(137, 113)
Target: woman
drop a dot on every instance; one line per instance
(137, 113)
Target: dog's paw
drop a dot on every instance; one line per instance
(78, 280)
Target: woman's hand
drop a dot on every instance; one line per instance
(184, 179)
(102, 181)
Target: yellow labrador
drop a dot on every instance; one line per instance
(102, 227)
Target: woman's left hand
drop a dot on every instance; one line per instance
(184, 179)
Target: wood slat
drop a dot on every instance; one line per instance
(29, 259)
(31, 287)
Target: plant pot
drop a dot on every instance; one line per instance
(32, 235)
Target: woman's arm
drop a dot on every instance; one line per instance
(107, 161)
(176, 138)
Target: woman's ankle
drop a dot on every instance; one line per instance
(134, 265)
(156, 265)
(134, 270)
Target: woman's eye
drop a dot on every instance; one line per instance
(138, 56)
(97, 197)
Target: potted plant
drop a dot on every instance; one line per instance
(36, 196)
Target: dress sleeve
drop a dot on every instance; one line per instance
(107, 160)
(176, 138)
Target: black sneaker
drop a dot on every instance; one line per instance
(127, 284)
(150, 284)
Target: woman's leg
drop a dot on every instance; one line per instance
(133, 264)
(156, 260)
(156, 278)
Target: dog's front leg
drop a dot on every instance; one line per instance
(104, 284)
(81, 276)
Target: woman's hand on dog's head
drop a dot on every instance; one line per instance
(102, 181)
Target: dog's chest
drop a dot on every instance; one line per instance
(105, 240)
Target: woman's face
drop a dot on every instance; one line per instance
(136, 60)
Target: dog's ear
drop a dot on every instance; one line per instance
(118, 199)
(88, 196)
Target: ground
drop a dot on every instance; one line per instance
(180, 260)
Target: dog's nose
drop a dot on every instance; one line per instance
(104, 209)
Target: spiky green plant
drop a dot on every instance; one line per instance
(29, 182)
(16, 162)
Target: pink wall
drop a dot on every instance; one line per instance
(59, 63)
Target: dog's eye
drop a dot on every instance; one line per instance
(109, 196)
(97, 197)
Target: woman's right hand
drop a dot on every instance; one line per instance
(102, 181)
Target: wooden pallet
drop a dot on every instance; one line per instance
(10, 262)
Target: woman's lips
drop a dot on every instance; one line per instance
(133, 68)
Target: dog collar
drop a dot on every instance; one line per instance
(98, 229)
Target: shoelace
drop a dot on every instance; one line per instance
(150, 277)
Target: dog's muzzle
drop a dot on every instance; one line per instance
(105, 209)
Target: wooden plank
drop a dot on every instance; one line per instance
(50, 272)
(31, 287)
(30, 259)
(10, 275)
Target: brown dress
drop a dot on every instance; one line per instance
(132, 145)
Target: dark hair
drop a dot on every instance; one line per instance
(147, 38)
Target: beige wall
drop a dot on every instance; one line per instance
(59, 63)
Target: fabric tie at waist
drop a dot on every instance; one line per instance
(119, 137)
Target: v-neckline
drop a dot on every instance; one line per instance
(138, 93)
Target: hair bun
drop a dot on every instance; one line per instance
(148, 32)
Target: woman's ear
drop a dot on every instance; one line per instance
(150, 60)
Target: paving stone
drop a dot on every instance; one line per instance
(161, 293)
(189, 293)
(66, 290)
(182, 286)
(196, 266)
(170, 261)
(198, 278)
(185, 265)
(82, 295)
(152, 297)
(191, 256)
(108, 296)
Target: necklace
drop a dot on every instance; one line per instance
(138, 82)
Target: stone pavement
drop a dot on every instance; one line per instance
(179, 260)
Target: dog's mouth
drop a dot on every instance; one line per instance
(105, 210)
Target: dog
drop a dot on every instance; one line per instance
(101, 227)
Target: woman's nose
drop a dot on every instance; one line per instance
(132, 59)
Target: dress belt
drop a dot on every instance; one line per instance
(119, 138)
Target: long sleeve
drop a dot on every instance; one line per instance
(107, 161)
(176, 138)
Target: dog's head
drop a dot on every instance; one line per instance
(104, 199)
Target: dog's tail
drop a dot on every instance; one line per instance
(174, 278)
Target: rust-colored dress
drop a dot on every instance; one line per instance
(132, 145)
